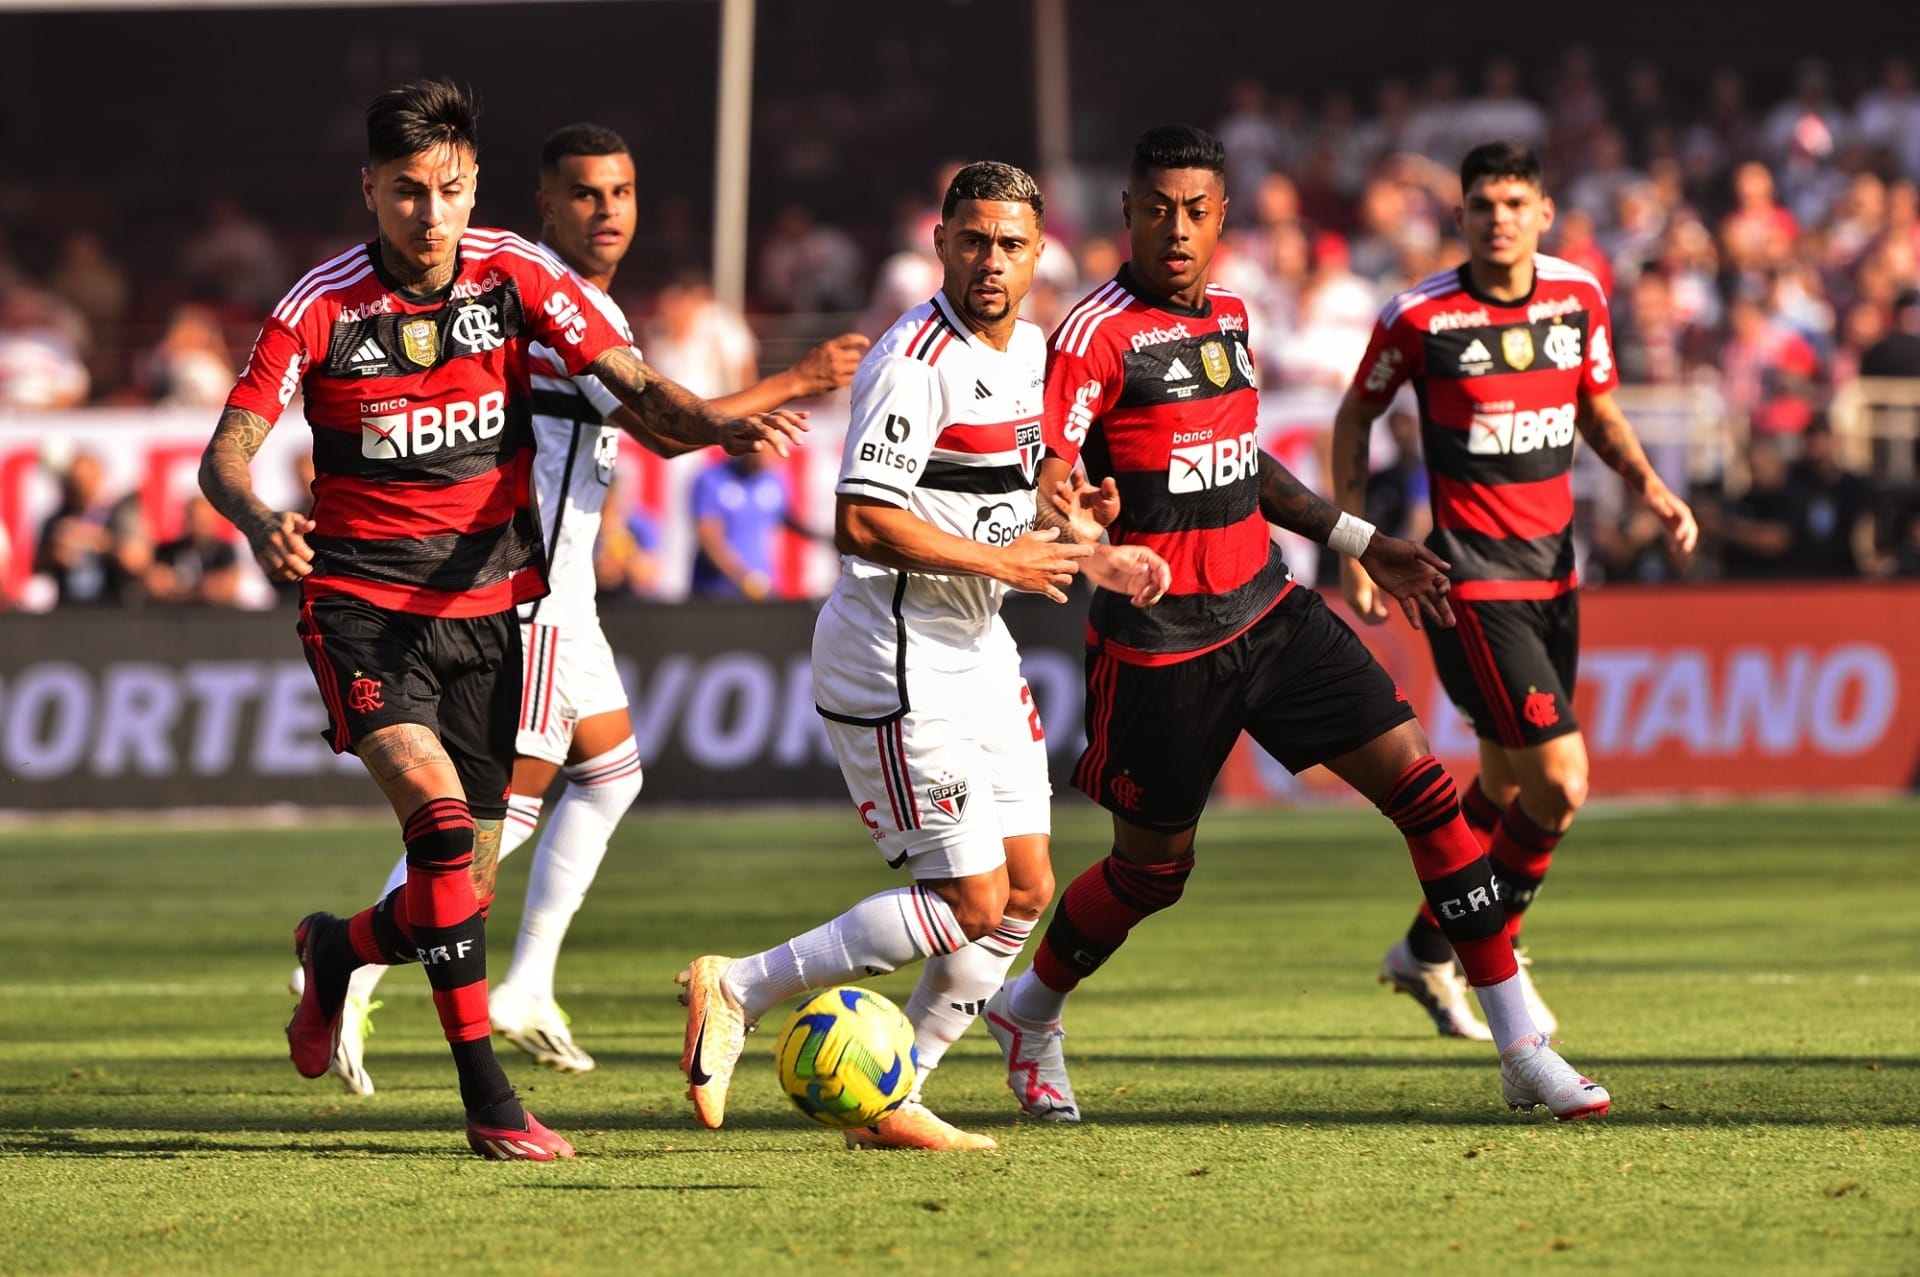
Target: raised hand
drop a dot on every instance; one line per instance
(773, 431)
(828, 366)
(1039, 563)
(1413, 574)
(1087, 509)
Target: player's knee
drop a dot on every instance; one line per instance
(1558, 797)
(1030, 899)
(978, 904)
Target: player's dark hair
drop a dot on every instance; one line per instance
(423, 115)
(1505, 158)
(992, 180)
(579, 139)
(1177, 146)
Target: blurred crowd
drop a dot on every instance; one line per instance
(1765, 248)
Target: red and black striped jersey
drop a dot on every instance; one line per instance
(422, 420)
(1163, 398)
(1499, 385)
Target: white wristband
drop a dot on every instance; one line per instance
(1350, 536)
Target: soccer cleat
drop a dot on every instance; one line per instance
(1543, 1018)
(539, 1027)
(297, 982)
(1036, 1063)
(1439, 989)
(1532, 1073)
(349, 1050)
(914, 1125)
(313, 1034)
(716, 1034)
(504, 1144)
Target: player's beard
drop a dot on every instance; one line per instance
(985, 315)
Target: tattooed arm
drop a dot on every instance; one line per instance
(1607, 432)
(678, 416)
(1352, 426)
(226, 477)
(1408, 571)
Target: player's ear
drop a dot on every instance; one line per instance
(366, 188)
(1126, 209)
(543, 207)
(940, 240)
(1546, 213)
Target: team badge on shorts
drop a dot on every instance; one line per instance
(1517, 345)
(363, 696)
(950, 798)
(421, 341)
(1540, 709)
(1213, 358)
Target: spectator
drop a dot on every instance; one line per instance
(190, 368)
(1596, 192)
(1755, 531)
(1385, 131)
(234, 259)
(694, 340)
(1649, 341)
(1887, 117)
(1834, 536)
(40, 363)
(1254, 140)
(737, 506)
(806, 267)
(1500, 111)
(1574, 241)
(200, 565)
(626, 557)
(94, 548)
(1810, 110)
(1758, 234)
(1768, 370)
(1897, 354)
(90, 281)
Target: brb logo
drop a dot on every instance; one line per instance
(1495, 434)
(392, 432)
(1204, 463)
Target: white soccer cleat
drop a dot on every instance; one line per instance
(1532, 1073)
(537, 1026)
(1543, 1018)
(1439, 989)
(297, 982)
(1036, 1062)
(349, 1053)
(717, 1031)
(914, 1125)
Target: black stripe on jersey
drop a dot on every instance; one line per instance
(1475, 556)
(1504, 349)
(567, 405)
(453, 562)
(865, 482)
(929, 337)
(1148, 507)
(1186, 370)
(951, 476)
(1448, 455)
(1184, 622)
(899, 669)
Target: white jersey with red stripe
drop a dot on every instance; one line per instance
(572, 469)
(947, 427)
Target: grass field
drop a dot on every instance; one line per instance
(1745, 980)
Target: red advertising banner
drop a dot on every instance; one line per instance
(1736, 689)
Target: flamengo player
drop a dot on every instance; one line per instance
(1510, 354)
(1151, 385)
(413, 353)
(574, 718)
(914, 670)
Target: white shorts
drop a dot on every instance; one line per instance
(570, 675)
(941, 787)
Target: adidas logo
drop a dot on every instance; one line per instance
(1178, 372)
(980, 390)
(1476, 353)
(369, 353)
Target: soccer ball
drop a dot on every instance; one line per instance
(846, 1057)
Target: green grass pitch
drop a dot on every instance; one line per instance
(1745, 979)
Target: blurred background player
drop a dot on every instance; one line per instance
(413, 353)
(574, 719)
(915, 672)
(1151, 385)
(1511, 354)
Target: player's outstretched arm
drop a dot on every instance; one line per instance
(1608, 433)
(1038, 562)
(820, 371)
(1082, 513)
(1352, 427)
(676, 415)
(277, 537)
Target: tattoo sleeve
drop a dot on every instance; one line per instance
(1606, 431)
(670, 411)
(486, 856)
(226, 475)
(1288, 503)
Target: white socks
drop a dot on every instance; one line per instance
(599, 791)
(954, 987)
(880, 934)
(1034, 1002)
(1505, 1006)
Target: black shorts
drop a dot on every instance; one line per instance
(459, 677)
(1297, 681)
(1509, 664)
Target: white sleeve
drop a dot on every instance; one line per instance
(899, 407)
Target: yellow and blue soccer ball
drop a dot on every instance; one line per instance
(847, 1058)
